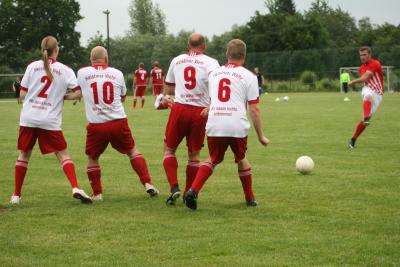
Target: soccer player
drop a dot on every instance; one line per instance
(232, 89)
(372, 92)
(139, 85)
(344, 80)
(44, 87)
(157, 79)
(104, 90)
(187, 78)
(17, 89)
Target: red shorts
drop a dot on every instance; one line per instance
(217, 147)
(49, 141)
(116, 132)
(185, 121)
(158, 89)
(140, 90)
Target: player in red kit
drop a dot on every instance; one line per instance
(157, 79)
(44, 87)
(232, 89)
(139, 85)
(187, 79)
(104, 90)
(372, 92)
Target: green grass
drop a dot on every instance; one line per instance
(346, 213)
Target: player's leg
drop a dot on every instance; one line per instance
(192, 168)
(143, 100)
(133, 106)
(94, 175)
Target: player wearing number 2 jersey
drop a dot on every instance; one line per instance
(187, 78)
(232, 88)
(104, 90)
(44, 88)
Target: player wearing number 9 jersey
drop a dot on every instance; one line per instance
(187, 78)
(104, 90)
(232, 89)
(44, 88)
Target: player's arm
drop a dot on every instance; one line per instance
(255, 116)
(22, 95)
(362, 79)
(76, 94)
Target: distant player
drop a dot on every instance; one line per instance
(139, 85)
(17, 89)
(344, 80)
(232, 89)
(104, 90)
(187, 78)
(260, 79)
(157, 80)
(44, 87)
(372, 92)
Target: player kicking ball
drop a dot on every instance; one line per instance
(44, 88)
(104, 91)
(231, 89)
(372, 92)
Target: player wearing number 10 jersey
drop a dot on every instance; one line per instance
(232, 88)
(104, 90)
(187, 78)
(44, 88)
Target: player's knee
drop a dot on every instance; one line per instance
(194, 155)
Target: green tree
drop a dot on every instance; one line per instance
(281, 7)
(146, 18)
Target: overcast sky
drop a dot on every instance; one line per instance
(213, 17)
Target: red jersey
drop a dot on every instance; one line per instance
(376, 81)
(157, 75)
(141, 77)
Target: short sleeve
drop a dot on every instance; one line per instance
(213, 65)
(123, 85)
(26, 79)
(170, 78)
(252, 90)
(374, 66)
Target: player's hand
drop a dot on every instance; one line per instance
(351, 83)
(167, 101)
(264, 140)
(204, 112)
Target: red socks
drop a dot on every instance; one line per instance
(191, 170)
(367, 108)
(94, 175)
(20, 171)
(139, 165)
(360, 128)
(171, 169)
(204, 172)
(69, 170)
(143, 100)
(245, 178)
(134, 103)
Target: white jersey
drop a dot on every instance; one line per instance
(231, 87)
(189, 73)
(102, 90)
(44, 99)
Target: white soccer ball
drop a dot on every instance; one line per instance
(285, 98)
(304, 165)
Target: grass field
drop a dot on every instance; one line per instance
(346, 213)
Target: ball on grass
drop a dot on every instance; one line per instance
(304, 165)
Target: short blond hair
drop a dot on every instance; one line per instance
(236, 49)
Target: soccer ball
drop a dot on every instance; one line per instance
(285, 98)
(304, 165)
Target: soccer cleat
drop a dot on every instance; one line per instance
(352, 143)
(81, 195)
(175, 193)
(251, 203)
(15, 199)
(98, 197)
(191, 199)
(366, 121)
(151, 190)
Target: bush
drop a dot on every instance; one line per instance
(6, 82)
(309, 78)
(328, 85)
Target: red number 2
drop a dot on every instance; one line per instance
(108, 93)
(189, 74)
(224, 91)
(47, 82)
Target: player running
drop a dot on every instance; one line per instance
(372, 92)
(104, 90)
(139, 85)
(187, 78)
(44, 87)
(232, 88)
(157, 80)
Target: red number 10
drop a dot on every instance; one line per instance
(108, 93)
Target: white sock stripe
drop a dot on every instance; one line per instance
(21, 164)
(137, 156)
(169, 156)
(92, 169)
(65, 162)
(209, 165)
(245, 173)
(193, 163)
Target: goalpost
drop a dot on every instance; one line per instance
(353, 71)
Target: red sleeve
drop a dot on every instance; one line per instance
(375, 66)
(78, 88)
(255, 101)
(23, 88)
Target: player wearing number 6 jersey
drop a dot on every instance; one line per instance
(44, 88)
(187, 78)
(104, 90)
(232, 88)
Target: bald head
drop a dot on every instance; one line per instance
(197, 42)
(99, 55)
